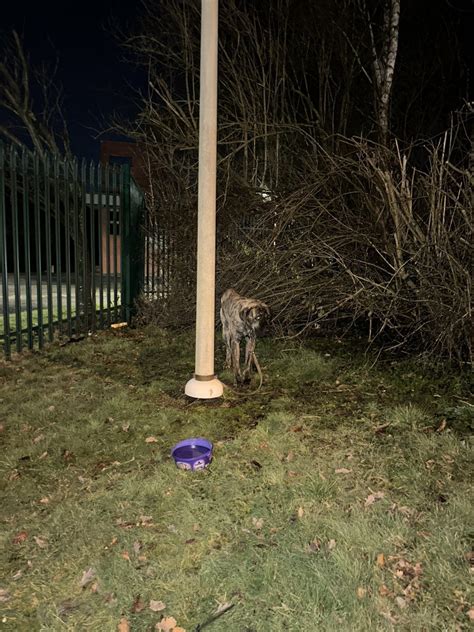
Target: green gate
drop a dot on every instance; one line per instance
(71, 251)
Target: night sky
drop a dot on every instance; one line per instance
(95, 79)
(91, 71)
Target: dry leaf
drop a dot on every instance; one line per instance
(87, 577)
(314, 546)
(257, 522)
(300, 512)
(179, 629)
(401, 603)
(95, 587)
(51, 408)
(20, 537)
(44, 501)
(41, 542)
(137, 547)
(380, 560)
(331, 544)
(361, 592)
(343, 470)
(470, 613)
(441, 426)
(151, 440)
(126, 555)
(39, 437)
(4, 595)
(223, 607)
(166, 625)
(384, 591)
(43, 455)
(157, 606)
(371, 498)
(138, 604)
(123, 626)
(125, 427)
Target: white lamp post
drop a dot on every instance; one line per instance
(204, 384)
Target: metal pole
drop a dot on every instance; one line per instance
(204, 384)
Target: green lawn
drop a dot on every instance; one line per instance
(338, 499)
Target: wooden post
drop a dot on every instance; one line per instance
(204, 384)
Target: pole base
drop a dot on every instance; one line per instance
(204, 389)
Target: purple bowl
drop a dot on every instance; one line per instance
(192, 454)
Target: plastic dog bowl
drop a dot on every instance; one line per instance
(192, 454)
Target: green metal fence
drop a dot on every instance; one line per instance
(71, 247)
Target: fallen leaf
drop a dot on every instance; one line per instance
(39, 437)
(95, 587)
(126, 427)
(292, 474)
(51, 408)
(179, 629)
(371, 498)
(343, 470)
(380, 560)
(384, 591)
(300, 512)
(361, 592)
(223, 607)
(157, 606)
(389, 617)
(138, 604)
(20, 537)
(17, 575)
(257, 522)
(44, 501)
(118, 325)
(126, 555)
(43, 455)
(314, 546)
(137, 547)
(331, 545)
(146, 521)
(4, 595)
(401, 603)
(41, 542)
(441, 426)
(470, 613)
(87, 577)
(123, 626)
(151, 440)
(166, 625)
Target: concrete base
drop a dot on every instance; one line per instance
(204, 389)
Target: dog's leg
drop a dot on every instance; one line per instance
(249, 351)
(236, 361)
(228, 346)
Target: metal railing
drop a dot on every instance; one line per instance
(70, 247)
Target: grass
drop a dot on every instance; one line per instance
(338, 498)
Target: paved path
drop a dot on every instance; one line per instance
(54, 291)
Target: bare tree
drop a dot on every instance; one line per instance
(384, 47)
(31, 101)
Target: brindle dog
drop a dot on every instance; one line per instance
(241, 319)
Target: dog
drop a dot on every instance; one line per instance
(241, 319)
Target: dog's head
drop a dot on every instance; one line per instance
(256, 316)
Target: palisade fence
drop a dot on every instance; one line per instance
(71, 247)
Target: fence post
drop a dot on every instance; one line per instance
(132, 260)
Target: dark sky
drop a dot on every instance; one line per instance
(91, 70)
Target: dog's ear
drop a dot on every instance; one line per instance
(244, 312)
